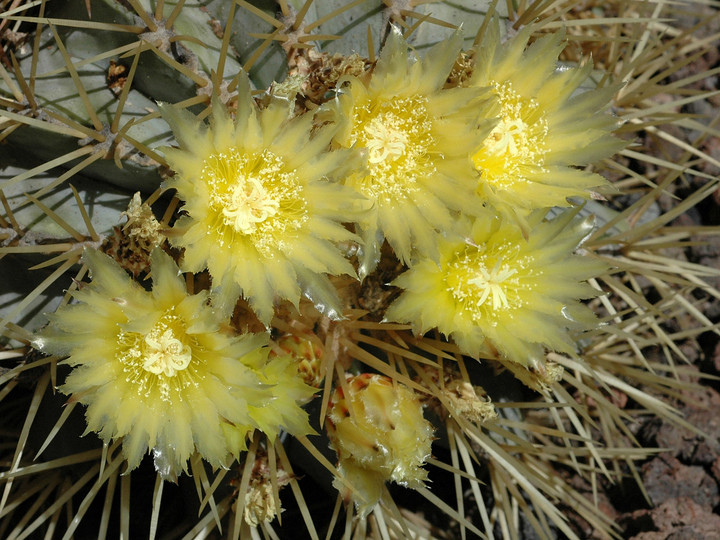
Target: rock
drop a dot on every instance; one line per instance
(677, 519)
(715, 469)
(686, 445)
(666, 478)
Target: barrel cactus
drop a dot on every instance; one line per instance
(370, 250)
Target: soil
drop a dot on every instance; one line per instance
(682, 481)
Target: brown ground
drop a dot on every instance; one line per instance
(683, 483)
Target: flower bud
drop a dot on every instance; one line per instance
(379, 433)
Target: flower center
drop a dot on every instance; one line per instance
(517, 143)
(254, 194)
(384, 141)
(397, 136)
(164, 353)
(250, 203)
(508, 137)
(491, 284)
(159, 362)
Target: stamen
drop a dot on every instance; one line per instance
(507, 137)
(254, 194)
(516, 143)
(250, 203)
(164, 353)
(491, 284)
(397, 135)
(384, 141)
(160, 361)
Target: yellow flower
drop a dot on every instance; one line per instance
(544, 126)
(154, 369)
(416, 139)
(262, 214)
(379, 434)
(497, 290)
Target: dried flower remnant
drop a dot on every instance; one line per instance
(155, 369)
(262, 214)
(259, 501)
(379, 434)
(142, 226)
(544, 126)
(456, 396)
(416, 138)
(326, 70)
(539, 377)
(132, 244)
(467, 401)
(498, 291)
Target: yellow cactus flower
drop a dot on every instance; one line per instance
(154, 368)
(544, 126)
(263, 214)
(497, 291)
(416, 139)
(379, 434)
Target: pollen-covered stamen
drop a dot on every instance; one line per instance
(159, 362)
(384, 140)
(254, 194)
(492, 284)
(243, 187)
(398, 139)
(508, 137)
(516, 143)
(487, 286)
(250, 203)
(164, 353)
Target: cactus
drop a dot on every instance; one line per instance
(105, 145)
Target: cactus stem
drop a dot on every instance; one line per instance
(261, 14)
(227, 33)
(26, 91)
(258, 52)
(76, 80)
(332, 15)
(301, 15)
(146, 17)
(174, 14)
